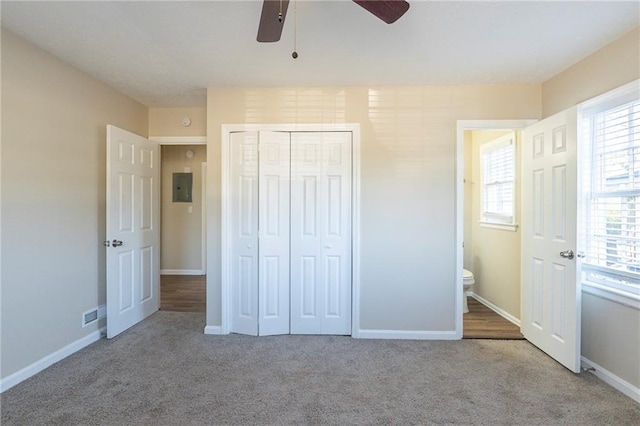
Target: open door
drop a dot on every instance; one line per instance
(550, 288)
(133, 231)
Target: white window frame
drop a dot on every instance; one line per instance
(600, 280)
(489, 219)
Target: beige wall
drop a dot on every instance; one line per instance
(407, 183)
(612, 66)
(611, 337)
(53, 198)
(168, 121)
(610, 331)
(495, 253)
(181, 234)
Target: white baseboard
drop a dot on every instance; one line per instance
(504, 314)
(612, 380)
(33, 369)
(405, 334)
(214, 329)
(182, 272)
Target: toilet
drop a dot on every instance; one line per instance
(467, 282)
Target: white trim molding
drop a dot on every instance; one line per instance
(504, 314)
(612, 380)
(500, 226)
(179, 140)
(406, 334)
(43, 363)
(214, 329)
(618, 296)
(203, 235)
(182, 272)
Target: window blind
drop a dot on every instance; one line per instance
(613, 203)
(498, 171)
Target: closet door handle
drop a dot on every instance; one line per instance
(327, 246)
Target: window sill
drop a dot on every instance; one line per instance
(502, 226)
(618, 296)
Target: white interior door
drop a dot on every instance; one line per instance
(133, 229)
(321, 233)
(274, 212)
(243, 256)
(550, 288)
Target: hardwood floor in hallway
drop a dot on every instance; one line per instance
(483, 323)
(183, 293)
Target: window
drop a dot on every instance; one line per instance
(497, 168)
(611, 210)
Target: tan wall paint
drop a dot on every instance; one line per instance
(495, 252)
(612, 66)
(611, 337)
(181, 235)
(407, 190)
(53, 198)
(610, 331)
(168, 121)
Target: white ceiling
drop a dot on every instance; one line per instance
(167, 53)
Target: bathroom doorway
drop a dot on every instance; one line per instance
(183, 227)
(489, 228)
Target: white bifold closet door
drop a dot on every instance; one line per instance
(290, 248)
(321, 233)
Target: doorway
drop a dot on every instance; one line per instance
(183, 224)
(491, 233)
(487, 248)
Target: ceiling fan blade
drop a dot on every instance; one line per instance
(389, 11)
(271, 22)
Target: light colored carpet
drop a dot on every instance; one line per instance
(165, 371)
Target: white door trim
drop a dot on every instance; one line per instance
(461, 127)
(227, 129)
(179, 140)
(203, 228)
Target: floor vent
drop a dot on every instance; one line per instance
(90, 317)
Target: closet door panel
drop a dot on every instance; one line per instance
(244, 232)
(321, 233)
(274, 207)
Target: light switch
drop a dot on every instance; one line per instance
(190, 209)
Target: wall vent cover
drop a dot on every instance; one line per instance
(89, 317)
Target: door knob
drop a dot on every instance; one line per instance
(328, 246)
(116, 243)
(567, 254)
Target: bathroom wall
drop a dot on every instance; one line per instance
(181, 223)
(495, 253)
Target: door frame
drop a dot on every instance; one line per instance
(461, 127)
(227, 129)
(191, 140)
